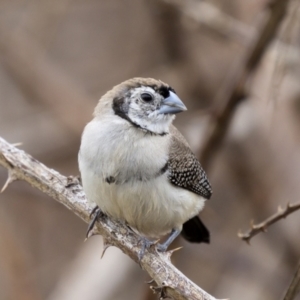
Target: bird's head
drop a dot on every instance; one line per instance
(146, 103)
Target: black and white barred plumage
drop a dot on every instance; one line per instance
(184, 168)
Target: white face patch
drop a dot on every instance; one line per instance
(143, 89)
(145, 113)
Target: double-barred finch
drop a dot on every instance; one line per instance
(138, 168)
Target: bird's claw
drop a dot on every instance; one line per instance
(94, 210)
(97, 213)
(161, 247)
(146, 244)
(161, 291)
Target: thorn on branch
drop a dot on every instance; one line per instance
(150, 281)
(106, 245)
(17, 144)
(244, 237)
(280, 209)
(169, 253)
(10, 179)
(90, 234)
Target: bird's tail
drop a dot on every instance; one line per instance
(195, 231)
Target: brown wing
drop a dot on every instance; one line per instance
(184, 168)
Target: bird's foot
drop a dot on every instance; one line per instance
(146, 244)
(97, 214)
(161, 291)
(162, 247)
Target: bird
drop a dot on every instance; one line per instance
(139, 169)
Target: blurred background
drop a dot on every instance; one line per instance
(56, 60)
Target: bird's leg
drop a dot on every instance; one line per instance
(173, 235)
(146, 244)
(97, 211)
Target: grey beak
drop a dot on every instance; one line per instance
(172, 105)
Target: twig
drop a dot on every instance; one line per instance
(294, 287)
(262, 227)
(66, 190)
(236, 90)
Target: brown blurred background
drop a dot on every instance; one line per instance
(56, 60)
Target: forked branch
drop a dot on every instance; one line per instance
(262, 227)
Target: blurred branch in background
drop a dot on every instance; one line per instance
(294, 287)
(262, 227)
(235, 90)
(171, 282)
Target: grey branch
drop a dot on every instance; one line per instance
(294, 287)
(235, 90)
(262, 227)
(67, 191)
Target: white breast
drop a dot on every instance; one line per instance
(112, 147)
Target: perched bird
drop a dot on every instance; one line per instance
(138, 168)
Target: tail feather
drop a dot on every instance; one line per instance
(195, 231)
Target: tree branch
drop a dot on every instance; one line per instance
(262, 227)
(66, 190)
(236, 90)
(294, 287)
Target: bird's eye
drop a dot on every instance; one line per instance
(147, 97)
